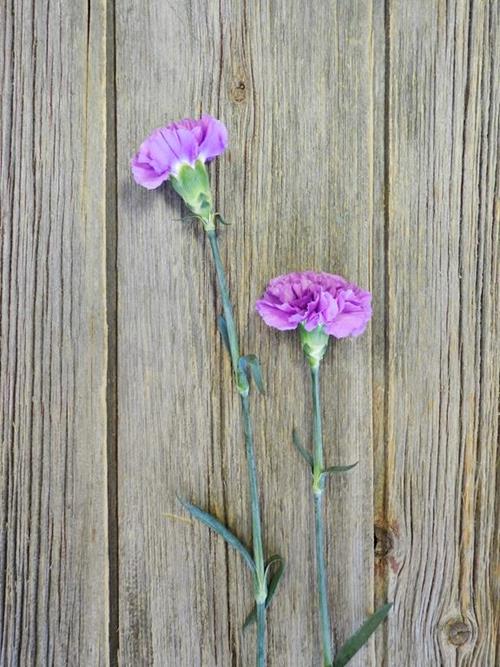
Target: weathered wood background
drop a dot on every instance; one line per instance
(364, 141)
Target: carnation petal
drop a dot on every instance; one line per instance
(156, 152)
(274, 317)
(347, 324)
(182, 145)
(313, 300)
(215, 140)
(146, 176)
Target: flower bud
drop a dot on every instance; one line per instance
(314, 344)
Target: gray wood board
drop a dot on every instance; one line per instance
(53, 510)
(294, 84)
(363, 141)
(440, 439)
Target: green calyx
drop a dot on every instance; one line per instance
(193, 185)
(314, 344)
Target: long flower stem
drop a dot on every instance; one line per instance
(254, 492)
(318, 486)
(261, 633)
(234, 348)
(260, 588)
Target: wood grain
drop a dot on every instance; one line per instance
(53, 535)
(294, 86)
(442, 340)
(364, 140)
(173, 600)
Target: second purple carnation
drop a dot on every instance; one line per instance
(314, 299)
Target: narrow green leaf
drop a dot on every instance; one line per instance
(307, 456)
(219, 528)
(254, 365)
(335, 470)
(222, 326)
(361, 636)
(276, 578)
(271, 588)
(251, 618)
(221, 219)
(249, 364)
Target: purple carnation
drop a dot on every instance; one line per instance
(314, 299)
(166, 149)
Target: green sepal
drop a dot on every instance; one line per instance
(250, 366)
(271, 588)
(219, 528)
(335, 470)
(222, 326)
(314, 344)
(307, 456)
(193, 185)
(361, 636)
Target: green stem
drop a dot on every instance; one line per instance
(318, 463)
(234, 348)
(261, 634)
(260, 588)
(318, 486)
(254, 499)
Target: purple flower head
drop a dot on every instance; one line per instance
(316, 299)
(163, 153)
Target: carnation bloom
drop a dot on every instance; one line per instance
(315, 300)
(186, 142)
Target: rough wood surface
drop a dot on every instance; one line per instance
(53, 508)
(298, 191)
(442, 307)
(363, 140)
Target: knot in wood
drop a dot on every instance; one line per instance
(238, 91)
(459, 633)
(383, 541)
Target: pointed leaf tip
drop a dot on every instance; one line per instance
(335, 470)
(271, 589)
(307, 456)
(276, 578)
(221, 219)
(361, 636)
(213, 523)
(222, 326)
(250, 365)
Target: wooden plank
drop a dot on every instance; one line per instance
(304, 165)
(53, 539)
(294, 83)
(301, 91)
(442, 337)
(173, 600)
